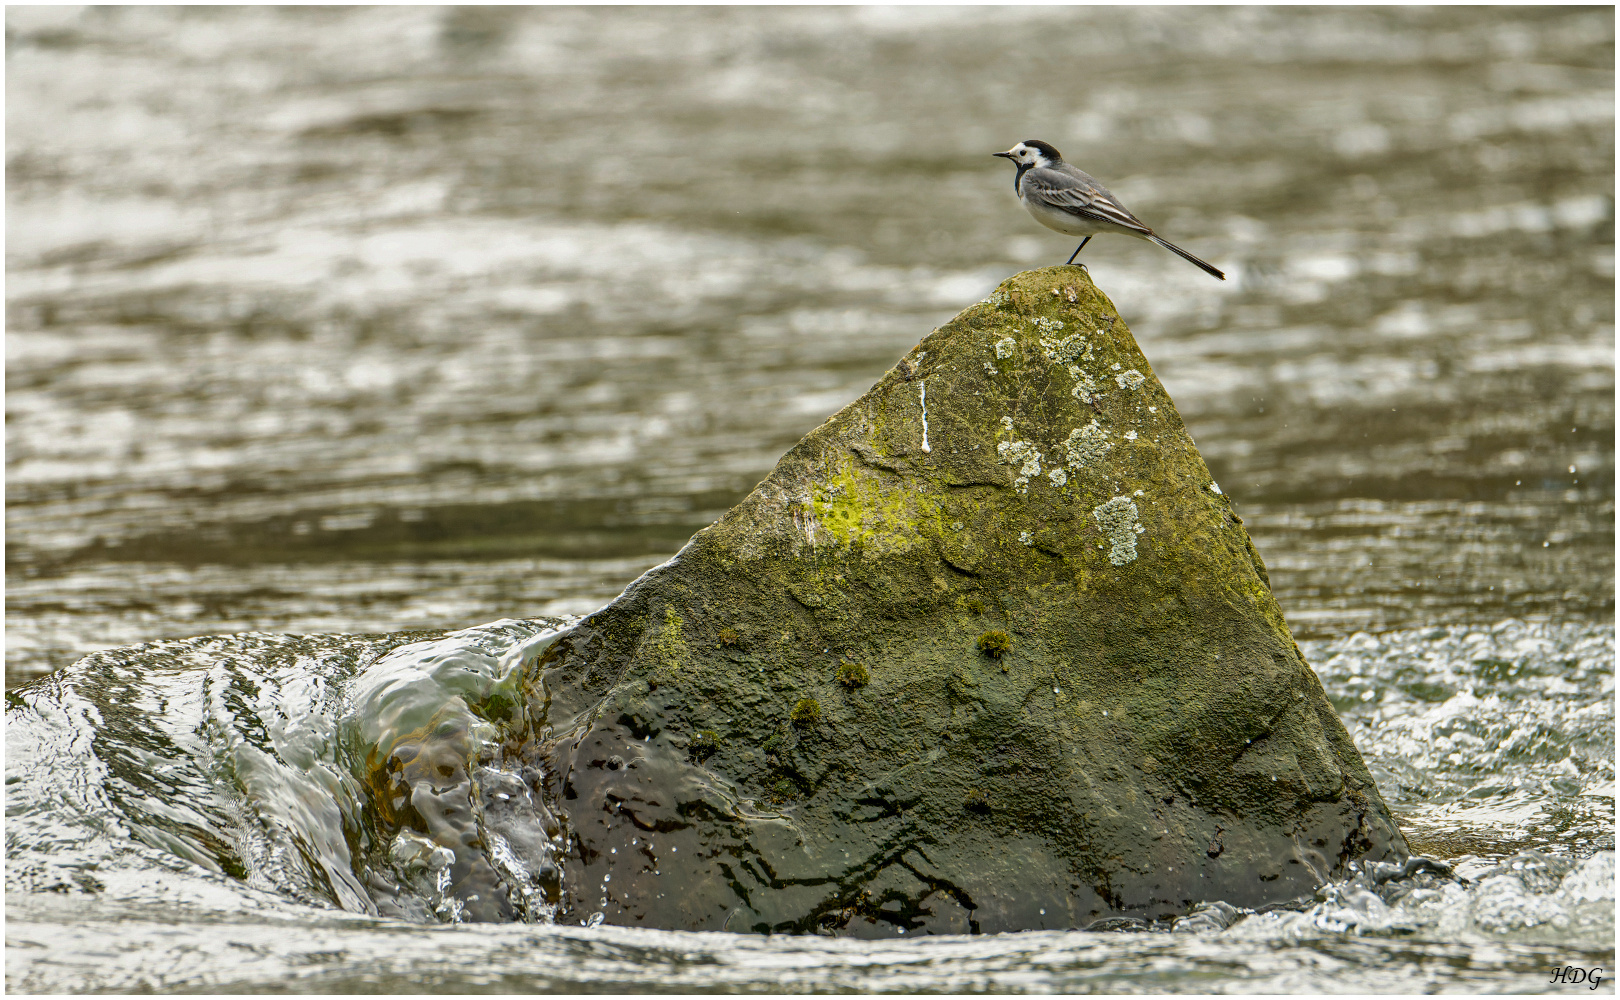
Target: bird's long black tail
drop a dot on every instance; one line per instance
(1212, 269)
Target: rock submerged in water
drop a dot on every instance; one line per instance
(987, 651)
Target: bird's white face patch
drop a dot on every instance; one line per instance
(1027, 156)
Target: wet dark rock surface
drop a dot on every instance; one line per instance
(1143, 735)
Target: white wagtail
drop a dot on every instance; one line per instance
(1061, 196)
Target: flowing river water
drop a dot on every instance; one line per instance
(362, 340)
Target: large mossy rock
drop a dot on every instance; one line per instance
(806, 720)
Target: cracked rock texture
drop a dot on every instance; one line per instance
(1151, 739)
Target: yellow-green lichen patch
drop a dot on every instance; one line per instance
(855, 508)
(728, 637)
(670, 644)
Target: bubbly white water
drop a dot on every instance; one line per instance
(198, 800)
(1341, 947)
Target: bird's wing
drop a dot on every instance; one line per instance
(1082, 196)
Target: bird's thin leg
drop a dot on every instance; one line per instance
(1076, 253)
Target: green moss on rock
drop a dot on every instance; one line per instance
(853, 675)
(995, 644)
(783, 790)
(704, 744)
(806, 712)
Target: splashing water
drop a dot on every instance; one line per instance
(340, 796)
(361, 773)
(1485, 738)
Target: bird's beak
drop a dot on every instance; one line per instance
(1008, 155)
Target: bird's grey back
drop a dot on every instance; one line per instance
(1066, 186)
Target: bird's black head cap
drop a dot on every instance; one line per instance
(1046, 149)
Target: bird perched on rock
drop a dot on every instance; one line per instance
(1063, 197)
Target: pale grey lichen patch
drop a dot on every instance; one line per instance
(1045, 325)
(1026, 538)
(1120, 521)
(1058, 477)
(1005, 348)
(1087, 445)
(1129, 379)
(1025, 456)
(1065, 351)
(1085, 390)
(992, 369)
(1130, 435)
(997, 299)
(1021, 452)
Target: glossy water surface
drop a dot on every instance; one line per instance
(373, 320)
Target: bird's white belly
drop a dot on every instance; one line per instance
(1070, 224)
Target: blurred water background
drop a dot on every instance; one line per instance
(368, 320)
